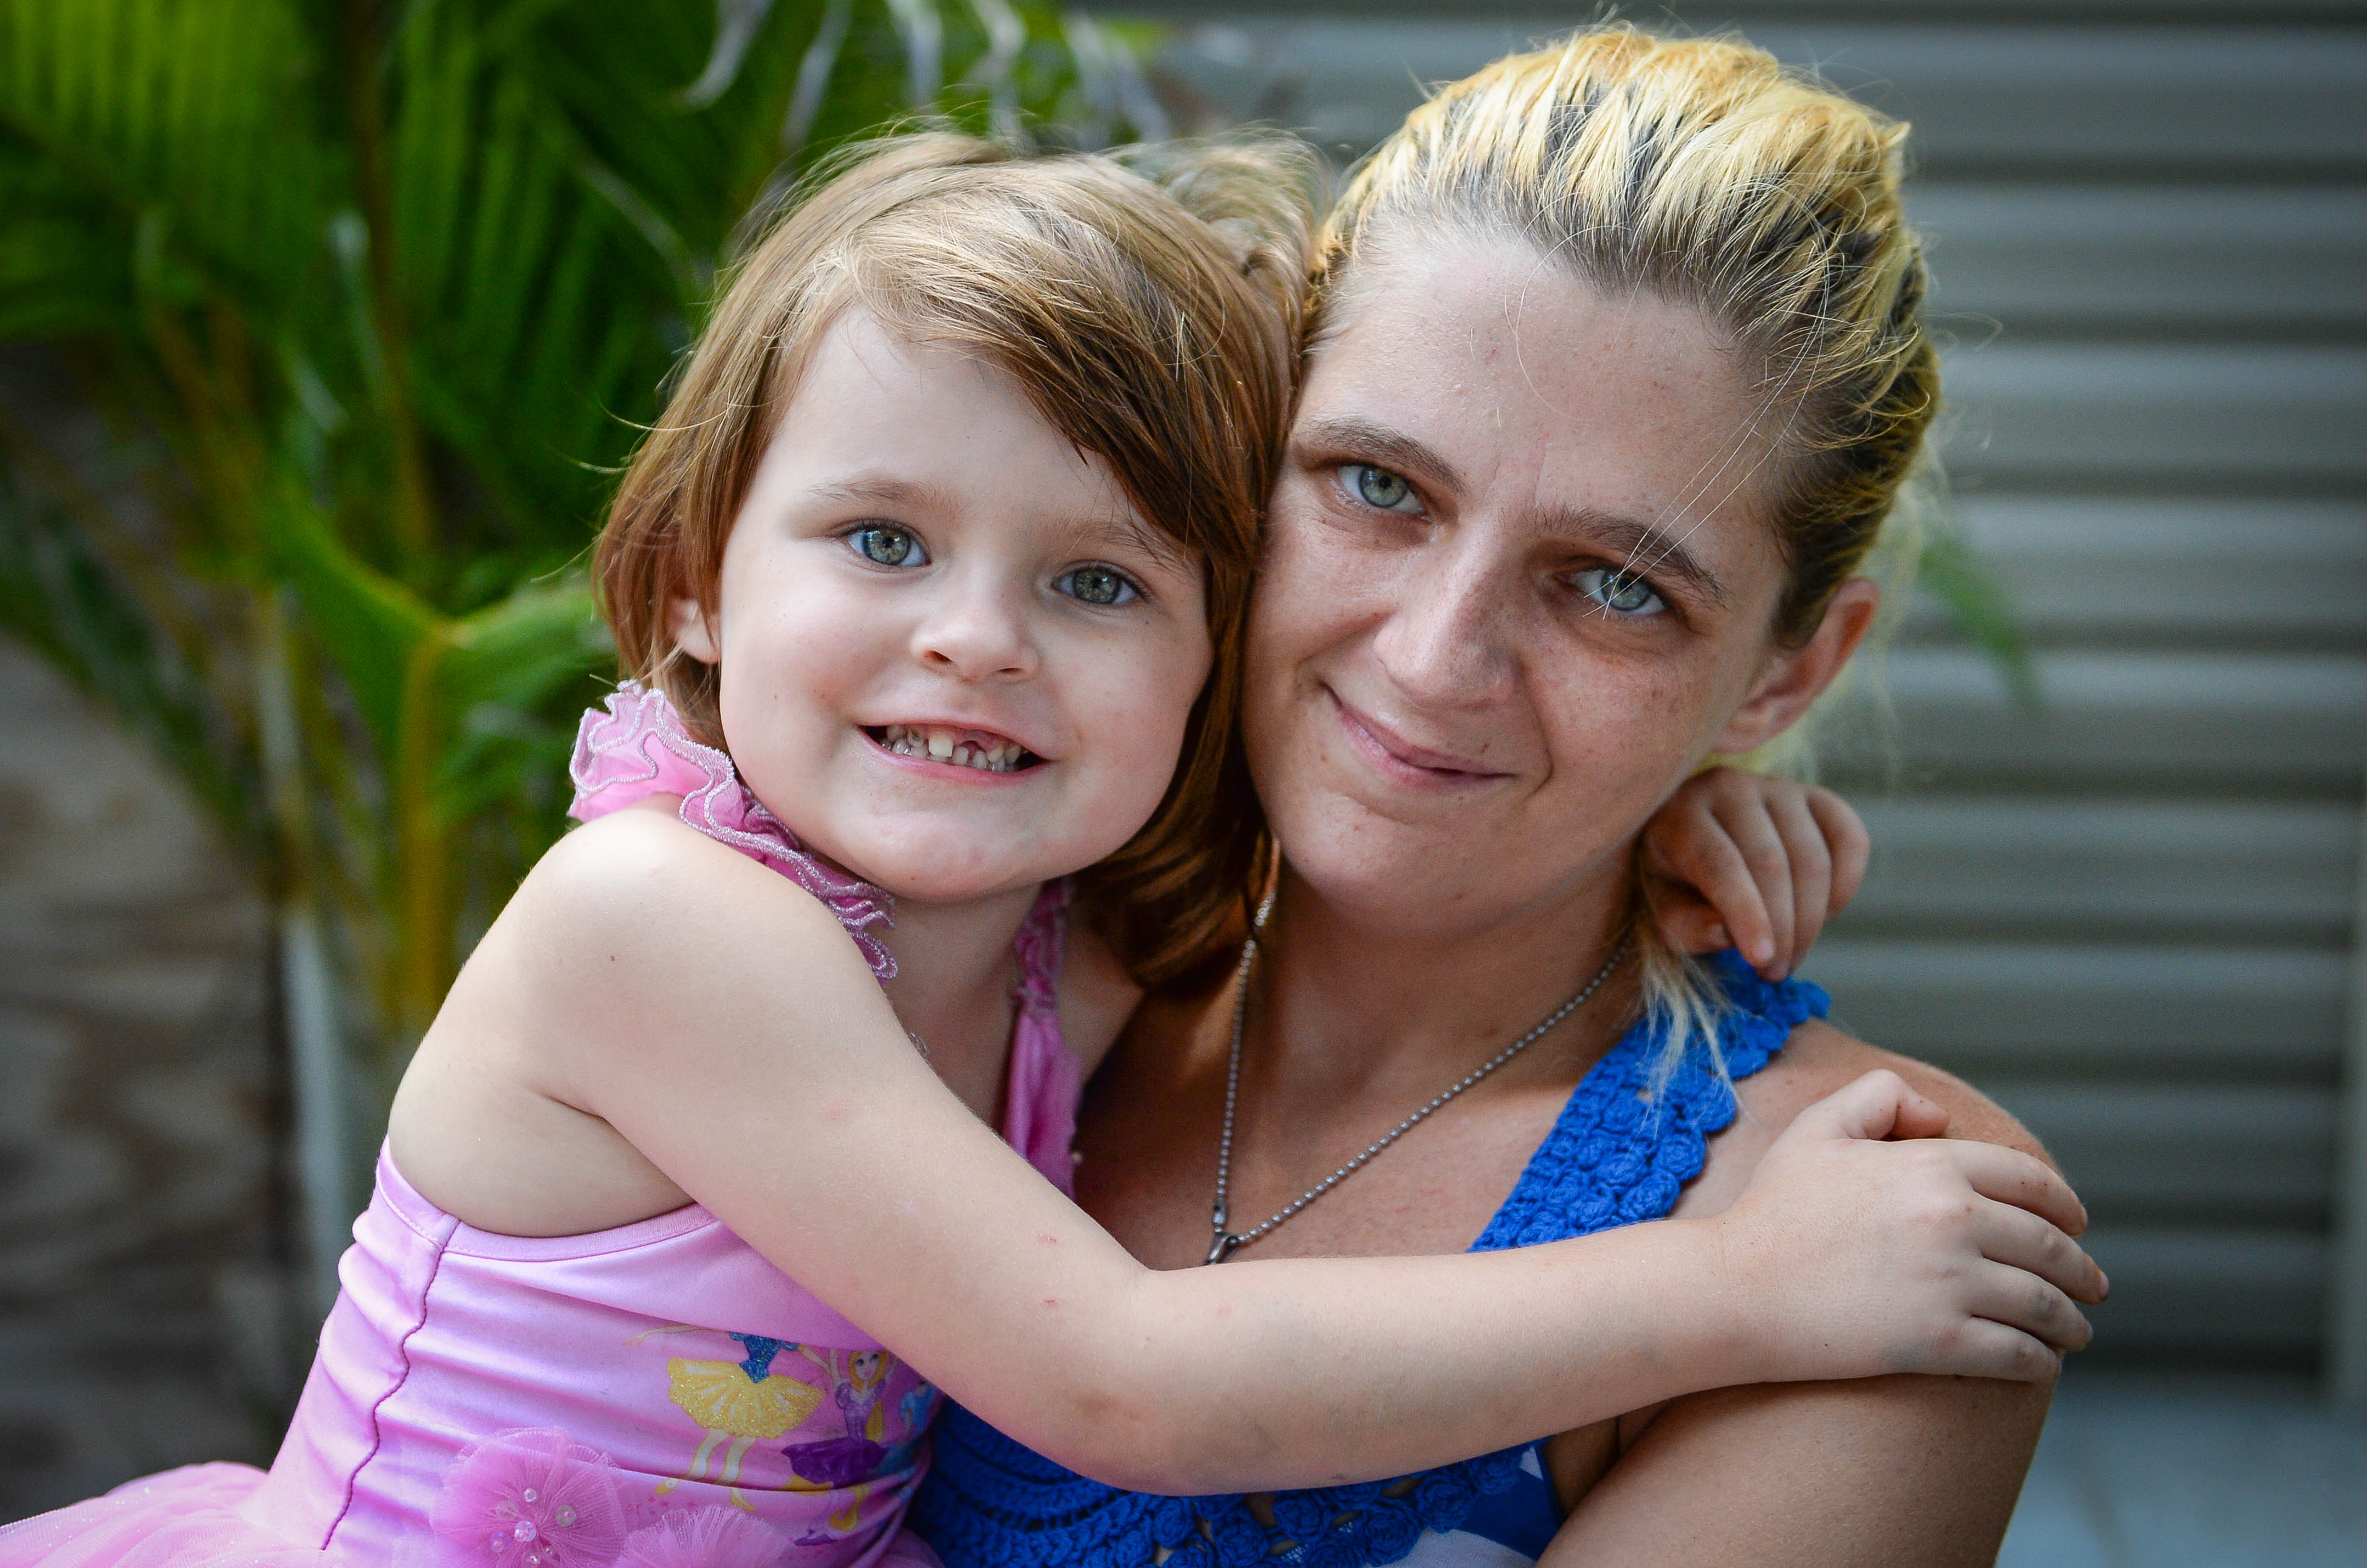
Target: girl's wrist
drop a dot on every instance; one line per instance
(1737, 1339)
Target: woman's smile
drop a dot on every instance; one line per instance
(1400, 759)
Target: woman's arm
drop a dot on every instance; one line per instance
(716, 1018)
(1876, 1472)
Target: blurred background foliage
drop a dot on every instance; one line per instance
(369, 300)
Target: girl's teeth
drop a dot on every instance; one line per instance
(912, 740)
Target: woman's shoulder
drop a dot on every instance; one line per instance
(1817, 1060)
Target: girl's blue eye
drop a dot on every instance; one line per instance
(1621, 593)
(1099, 585)
(884, 544)
(1378, 487)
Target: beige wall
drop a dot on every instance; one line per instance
(138, 1305)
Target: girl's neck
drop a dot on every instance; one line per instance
(955, 969)
(1348, 1002)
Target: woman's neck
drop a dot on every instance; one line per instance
(1348, 1003)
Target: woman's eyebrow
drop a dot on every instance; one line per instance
(1388, 448)
(1644, 548)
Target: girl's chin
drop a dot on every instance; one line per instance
(950, 873)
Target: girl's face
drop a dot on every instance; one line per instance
(1517, 583)
(955, 660)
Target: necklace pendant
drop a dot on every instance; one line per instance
(1222, 1247)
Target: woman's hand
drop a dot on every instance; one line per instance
(1879, 1246)
(1744, 861)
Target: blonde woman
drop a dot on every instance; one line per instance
(1616, 367)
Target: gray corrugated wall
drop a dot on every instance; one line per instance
(2131, 918)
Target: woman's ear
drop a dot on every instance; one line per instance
(694, 630)
(1796, 677)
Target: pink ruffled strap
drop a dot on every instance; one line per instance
(1040, 942)
(639, 748)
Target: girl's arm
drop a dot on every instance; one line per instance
(1741, 860)
(717, 1019)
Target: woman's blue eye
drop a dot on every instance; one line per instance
(1378, 487)
(1096, 585)
(885, 544)
(1622, 592)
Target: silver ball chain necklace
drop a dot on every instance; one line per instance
(1225, 1242)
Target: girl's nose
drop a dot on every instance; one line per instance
(977, 633)
(1444, 643)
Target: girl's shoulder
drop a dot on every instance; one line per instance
(642, 876)
(627, 942)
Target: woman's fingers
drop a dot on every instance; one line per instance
(2020, 1239)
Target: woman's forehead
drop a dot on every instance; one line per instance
(1508, 378)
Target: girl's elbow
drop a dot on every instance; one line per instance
(1131, 1438)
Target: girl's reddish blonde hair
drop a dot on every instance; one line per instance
(1148, 303)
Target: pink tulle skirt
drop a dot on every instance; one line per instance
(182, 1518)
(190, 1518)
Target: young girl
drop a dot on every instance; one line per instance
(932, 576)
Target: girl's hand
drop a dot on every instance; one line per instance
(1924, 1254)
(1744, 861)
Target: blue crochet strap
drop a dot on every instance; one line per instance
(1620, 1152)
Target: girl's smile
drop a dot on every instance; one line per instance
(938, 747)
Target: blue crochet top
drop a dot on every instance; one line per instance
(1612, 1158)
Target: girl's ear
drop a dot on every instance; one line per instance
(1797, 677)
(694, 630)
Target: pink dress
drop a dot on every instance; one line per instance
(652, 1396)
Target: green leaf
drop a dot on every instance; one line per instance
(62, 596)
(371, 626)
(1981, 607)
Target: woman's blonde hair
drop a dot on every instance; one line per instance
(1146, 302)
(1701, 172)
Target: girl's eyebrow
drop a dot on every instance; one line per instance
(882, 491)
(1126, 530)
(1391, 448)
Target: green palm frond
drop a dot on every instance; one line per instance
(63, 595)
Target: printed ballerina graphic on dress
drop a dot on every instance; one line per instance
(918, 1406)
(858, 1386)
(740, 1403)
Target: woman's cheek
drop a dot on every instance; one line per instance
(1625, 730)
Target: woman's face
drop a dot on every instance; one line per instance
(1517, 582)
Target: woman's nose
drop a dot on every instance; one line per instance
(1443, 642)
(977, 633)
